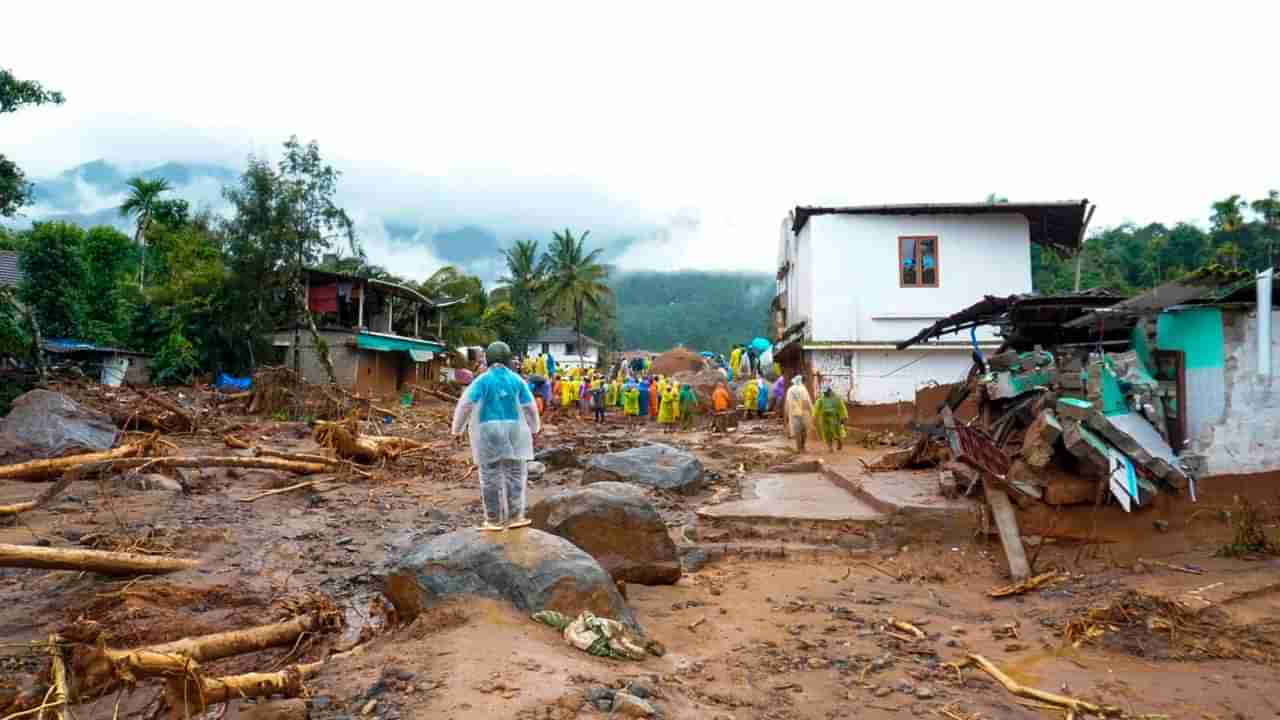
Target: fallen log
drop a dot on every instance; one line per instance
(1073, 705)
(279, 491)
(58, 675)
(98, 561)
(345, 439)
(190, 694)
(188, 422)
(202, 461)
(1026, 585)
(99, 669)
(34, 470)
(44, 498)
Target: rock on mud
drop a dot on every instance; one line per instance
(531, 569)
(657, 466)
(618, 526)
(46, 424)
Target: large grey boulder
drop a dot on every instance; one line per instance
(657, 466)
(46, 424)
(618, 526)
(531, 569)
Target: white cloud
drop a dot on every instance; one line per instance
(535, 115)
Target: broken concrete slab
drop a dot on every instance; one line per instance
(1137, 438)
(1071, 408)
(1089, 448)
(1040, 439)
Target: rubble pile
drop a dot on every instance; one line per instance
(1080, 415)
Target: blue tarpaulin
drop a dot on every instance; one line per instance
(232, 384)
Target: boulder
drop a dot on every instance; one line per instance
(618, 526)
(531, 569)
(657, 466)
(46, 424)
(556, 458)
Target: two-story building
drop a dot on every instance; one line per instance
(380, 336)
(853, 281)
(562, 343)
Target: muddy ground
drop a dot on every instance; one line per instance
(775, 620)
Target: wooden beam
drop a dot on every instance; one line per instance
(1007, 523)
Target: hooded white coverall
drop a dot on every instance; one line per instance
(500, 413)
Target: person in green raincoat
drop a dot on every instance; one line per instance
(830, 414)
(688, 406)
(631, 401)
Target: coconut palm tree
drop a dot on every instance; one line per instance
(575, 279)
(522, 284)
(143, 196)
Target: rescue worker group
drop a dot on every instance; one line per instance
(501, 410)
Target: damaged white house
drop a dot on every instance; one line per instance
(853, 281)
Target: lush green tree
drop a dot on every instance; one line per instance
(1268, 210)
(575, 280)
(144, 196)
(15, 94)
(464, 323)
(1228, 214)
(700, 310)
(285, 219)
(54, 278)
(109, 258)
(523, 281)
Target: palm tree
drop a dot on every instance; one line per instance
(575, 280)
(1268, 209)
(143, 196)
(522, 284)
(1228, 215)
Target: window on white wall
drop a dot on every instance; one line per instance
(918, 261)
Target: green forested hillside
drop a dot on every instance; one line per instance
(701, 310)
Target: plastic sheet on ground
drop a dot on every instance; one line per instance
(228, 383)
(597, 636)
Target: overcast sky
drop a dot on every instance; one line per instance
(703, 122)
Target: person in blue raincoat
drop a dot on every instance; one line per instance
(498, 411)
(644, 397)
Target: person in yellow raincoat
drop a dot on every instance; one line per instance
(631, 400)
(798, 408)
(749, 392)
(568, 392)
(670, 411)
(610, 394)
(830, 414)
(542, 365)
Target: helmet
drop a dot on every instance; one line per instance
(498, 353)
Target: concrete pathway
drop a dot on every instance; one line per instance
(793, 496)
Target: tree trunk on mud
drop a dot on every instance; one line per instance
(207, 461)
(54, 467)
(106, 563)
(190, 695)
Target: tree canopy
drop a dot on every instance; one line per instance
(15, 94)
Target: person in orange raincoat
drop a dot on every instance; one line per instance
(721, 403)
(653, 398)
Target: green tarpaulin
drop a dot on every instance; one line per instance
(394, 343)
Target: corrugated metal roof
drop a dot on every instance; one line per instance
(1059, 225)
(562, 335)
(10, 273)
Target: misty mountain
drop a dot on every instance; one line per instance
(396, 237)
(700, 310)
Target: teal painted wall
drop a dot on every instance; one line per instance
(1197, 333)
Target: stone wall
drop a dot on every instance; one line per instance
(1246, 438)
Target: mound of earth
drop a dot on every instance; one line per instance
(678, 360)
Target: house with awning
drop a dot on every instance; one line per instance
(381, 336)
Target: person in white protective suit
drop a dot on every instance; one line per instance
(499, 412)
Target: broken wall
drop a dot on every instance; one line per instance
(1245, 435)
(1198, 334)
